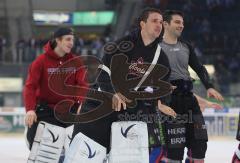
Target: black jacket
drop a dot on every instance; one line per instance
(133, 47)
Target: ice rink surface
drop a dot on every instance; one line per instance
(13, 149)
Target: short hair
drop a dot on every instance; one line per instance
(145, 14)
(58, 33)
(167, 15)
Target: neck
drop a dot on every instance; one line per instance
(170, 39)
(59, 52)
(146, 38)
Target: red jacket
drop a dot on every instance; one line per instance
(37, 84)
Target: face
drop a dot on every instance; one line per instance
(65, 43)
(153, 26)
(175, 27)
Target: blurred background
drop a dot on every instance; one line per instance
(212, 27)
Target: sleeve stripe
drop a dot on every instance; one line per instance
(105, 68)
(155, 59)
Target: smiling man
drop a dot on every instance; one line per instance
(40, 99)
(181, 54)
(141, 47)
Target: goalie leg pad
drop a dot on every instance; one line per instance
(48, 143)
(85, 150)
(68, 138)
(129, 142)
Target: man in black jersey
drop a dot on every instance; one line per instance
(180, 54)
(140, 47)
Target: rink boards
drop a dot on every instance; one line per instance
(219, 123)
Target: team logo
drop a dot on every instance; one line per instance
(137, 68)
(127, 134)
(54, 139)
(90, 153)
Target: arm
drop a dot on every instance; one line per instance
(32, 84)
(166, 109)
(104, 81)
(199, 68)
(203, 75)
(160, 101)
(203, 103)
(30, 89)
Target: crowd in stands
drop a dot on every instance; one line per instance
(28, 50)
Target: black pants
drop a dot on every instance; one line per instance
(46, 114)
(187, 130)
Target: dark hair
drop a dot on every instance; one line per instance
(145, 13)
(53, 43)
(167, 15)
(61, 31)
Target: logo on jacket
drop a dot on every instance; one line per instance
(90, 153)
(59, 70)
(125, 133)
(137, 68)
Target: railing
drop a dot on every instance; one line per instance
(219, 123)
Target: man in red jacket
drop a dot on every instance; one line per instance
(41, 95)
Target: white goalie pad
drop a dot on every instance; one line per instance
(129, 142)
(48, 143)
(68, 137)
(85, 150)
(36, 143)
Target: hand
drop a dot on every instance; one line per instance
(214, 105)
(30, 118)
(166, 109)
(204, 103)
(215, 94)
(118, 101)
(209, 104)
